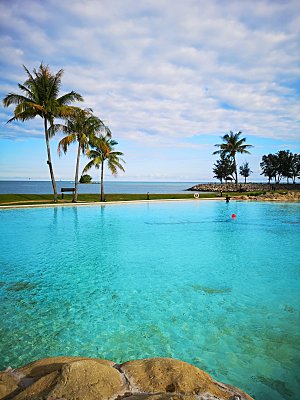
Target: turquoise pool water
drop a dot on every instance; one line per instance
(176, 279)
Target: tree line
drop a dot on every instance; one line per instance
(283, 164)
(40, 98)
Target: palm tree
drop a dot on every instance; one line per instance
(80, 127)
(40, 98)
(233, 144)
(103, 150)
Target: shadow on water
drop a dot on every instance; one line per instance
(76, 222)
(189, 222)
(210, 290)
(277, 385)
(19, 286)
(55, 211)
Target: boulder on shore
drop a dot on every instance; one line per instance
(73, 378)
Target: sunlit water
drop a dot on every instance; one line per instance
(176, 279)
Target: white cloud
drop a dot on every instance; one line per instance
(163, 72)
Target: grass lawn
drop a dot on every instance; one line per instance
(25, 199)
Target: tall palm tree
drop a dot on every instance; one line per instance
(80, 127)
(40, 98)
(233, 144)
(103, 150)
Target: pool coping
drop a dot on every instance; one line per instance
(102, 204)
(89, 204)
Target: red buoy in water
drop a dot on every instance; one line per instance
(233, 216)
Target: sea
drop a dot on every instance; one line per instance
(45, 187)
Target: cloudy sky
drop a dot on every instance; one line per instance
(168, 77)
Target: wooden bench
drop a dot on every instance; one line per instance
(63, 190)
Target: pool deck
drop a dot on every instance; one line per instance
(285, 199)
(79, 204)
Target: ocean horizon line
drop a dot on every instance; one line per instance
(129, 181)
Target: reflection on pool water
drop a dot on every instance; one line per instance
(176, 279)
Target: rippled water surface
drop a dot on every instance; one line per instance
(173, 279)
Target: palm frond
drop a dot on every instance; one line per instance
(116, 153)
(68, 98)
(29, 74)
(243, 151)
(26, 90)
(64, 111)
(55, 84)
(108, 133)
(25, 111)
(94, 153)
(14, 98)
(114, 165)
(65, 143)
(217, 151)
(54, 128)
(88, 166)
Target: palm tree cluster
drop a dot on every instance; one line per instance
(40, 97)
(283, 164)
(232, 144)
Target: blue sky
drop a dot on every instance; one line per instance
(168, 77)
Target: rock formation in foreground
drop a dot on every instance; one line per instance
(78, 378)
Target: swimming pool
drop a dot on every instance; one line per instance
(173, 279)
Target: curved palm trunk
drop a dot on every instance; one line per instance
(102, 181)
(76, 175)
(49, 162)
(236, 175)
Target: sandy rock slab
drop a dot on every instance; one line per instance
(79, 378)
(270, 196)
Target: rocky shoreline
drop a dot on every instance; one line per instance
(271, 196)
(243, 187)
(73, 378)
